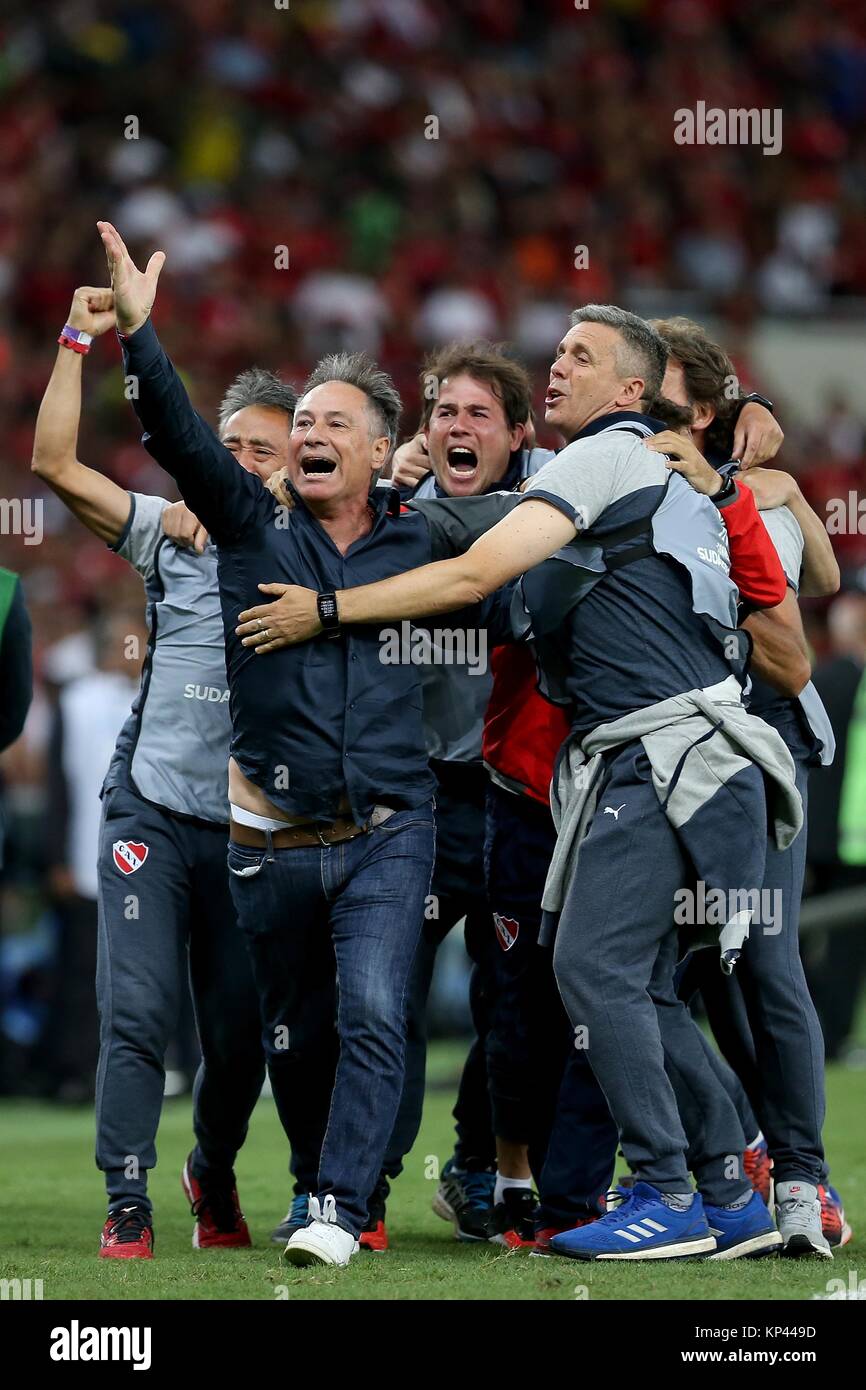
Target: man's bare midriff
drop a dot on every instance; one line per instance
(244, 793)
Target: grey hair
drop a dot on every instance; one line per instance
(644, 352)
(359, 369)
(256, 386)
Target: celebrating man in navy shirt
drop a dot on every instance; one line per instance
(330, 791)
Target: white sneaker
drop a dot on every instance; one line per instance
(323, 1242)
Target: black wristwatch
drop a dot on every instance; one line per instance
(754, 399)
(329, 614)
(725, 492)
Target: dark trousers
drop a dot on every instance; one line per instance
(573, 1137)
(765, 1022)
(457, 891)
(475, 1145)
(364, 900)
(614, 961)
(544, 1092)
(530, 1035)
(170, 917)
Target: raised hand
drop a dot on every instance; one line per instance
(184, 528)
(411, 462)
(92, 311)
(758, 436)
(134, 289)
(685, 457)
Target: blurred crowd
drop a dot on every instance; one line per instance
(389, 175)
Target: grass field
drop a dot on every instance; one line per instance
(52, 1210)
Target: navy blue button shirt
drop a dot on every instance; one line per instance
(323, 720)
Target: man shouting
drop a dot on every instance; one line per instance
(331, 796)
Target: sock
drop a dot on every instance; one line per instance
(740, 1202)
(795, 1188)
(677, 1201)
(503, 1183)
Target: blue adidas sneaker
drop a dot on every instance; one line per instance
(644, 1227)
(749, 1231)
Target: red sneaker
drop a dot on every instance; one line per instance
(522, 1238)
(127, 1234)
(758, 1168)
(543, 1237)
(219, 1221)
(833, 1223)
(374, 1237)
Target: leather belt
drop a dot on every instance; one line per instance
(310, 833)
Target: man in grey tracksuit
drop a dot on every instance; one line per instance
(163, 882)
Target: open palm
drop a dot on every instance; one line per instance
(134, 289)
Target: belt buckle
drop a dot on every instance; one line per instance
(322, 841)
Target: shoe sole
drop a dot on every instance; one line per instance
(298, 1254)
(754, 1247)
(679, 1251)
(443, 1208)
(801, 1247)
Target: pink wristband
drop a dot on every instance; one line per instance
(75, 338)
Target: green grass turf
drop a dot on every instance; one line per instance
(52, 1209)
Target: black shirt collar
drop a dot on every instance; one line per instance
(380, 500)
(619, 417)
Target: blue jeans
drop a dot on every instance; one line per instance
(366, 897)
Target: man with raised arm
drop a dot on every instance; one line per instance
(164, 900)
(329, 786)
